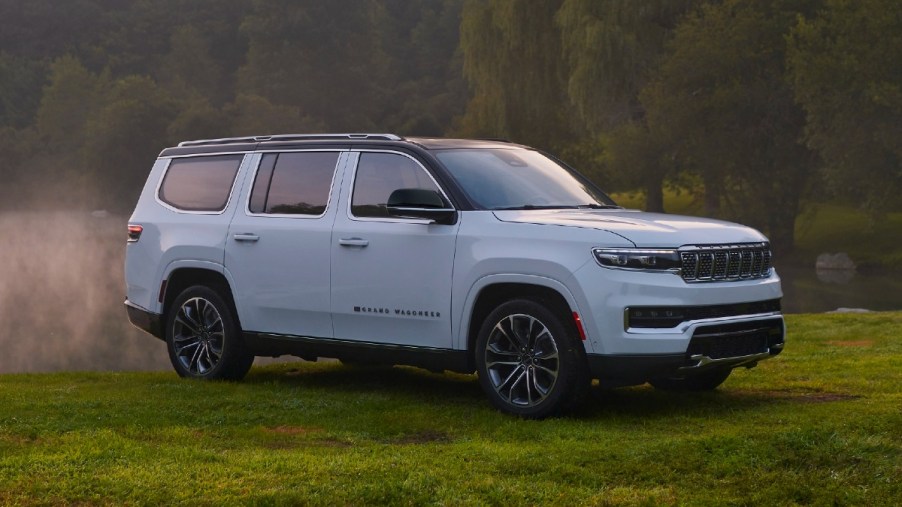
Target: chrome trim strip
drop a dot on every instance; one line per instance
(156, 195)
(350, 190)
(211, 154)
(256, 169)
(704, 361)
(685, 326)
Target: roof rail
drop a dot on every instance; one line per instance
(288, 137)
(495, 139)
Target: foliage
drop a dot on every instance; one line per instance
(722, 103)
(291, 53)
(760, 104)
(87, 76)
(20, 77)
(511, 58)
(126, 132)
(612, 48)
(818, 425)
(846, 68)
(71, 96)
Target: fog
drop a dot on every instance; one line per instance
(61, 293)
(62, 288)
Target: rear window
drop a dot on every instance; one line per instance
(200, 183)
(293, 183)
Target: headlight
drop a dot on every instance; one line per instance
(636, 258)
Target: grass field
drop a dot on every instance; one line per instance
(820, 424)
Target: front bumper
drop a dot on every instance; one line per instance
(712, 325)
(604, 297)
(713, 345)
(145, 320)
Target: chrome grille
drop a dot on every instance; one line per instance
(704, 263)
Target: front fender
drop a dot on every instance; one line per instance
(465, 312)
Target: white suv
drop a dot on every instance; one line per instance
(461, 255)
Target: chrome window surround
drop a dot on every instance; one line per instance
(161, 202)
(253, 179)
(356, 161)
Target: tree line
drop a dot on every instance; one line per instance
(754, 106)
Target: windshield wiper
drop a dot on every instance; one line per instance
(599, 206)
(534, 206)
(558, 206)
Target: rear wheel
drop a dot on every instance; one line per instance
(707, 381)
(203, 337)
(529, 361)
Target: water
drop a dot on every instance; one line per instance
(806, 290)
(62, 288)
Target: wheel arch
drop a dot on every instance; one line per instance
(208, 274)
(491, 291)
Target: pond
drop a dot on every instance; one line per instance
(806, 290)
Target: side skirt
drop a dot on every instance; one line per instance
(438, 360)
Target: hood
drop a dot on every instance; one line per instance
(643, 229)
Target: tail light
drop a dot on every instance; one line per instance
(134, 233)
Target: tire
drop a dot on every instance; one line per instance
(203, 337)
(707, 381)
(529, 361)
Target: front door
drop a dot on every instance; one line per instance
(391, 277)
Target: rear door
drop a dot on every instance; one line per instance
(391, 277)
(278, 247)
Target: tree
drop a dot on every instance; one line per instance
(612, 48)
(722, 98)
(45, 155)
(198, 120)
(846, 68)
(427, 86)
(254, 115)
(512, 62)
(19, 78)
(71, 96)
(188, 70)
(322, 57)
(123, 137)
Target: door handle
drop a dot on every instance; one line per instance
(353, 242)
(246, 237)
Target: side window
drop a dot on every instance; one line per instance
(200, 183)
(380, 174)
(293, 183)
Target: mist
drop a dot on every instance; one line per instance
(62, 289)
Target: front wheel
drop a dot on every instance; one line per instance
(530, 362)
(203, 337)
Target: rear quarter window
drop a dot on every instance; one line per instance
(200, 183)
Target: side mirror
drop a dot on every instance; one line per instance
(420, 203)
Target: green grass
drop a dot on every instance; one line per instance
(820, 424)
(822, 227)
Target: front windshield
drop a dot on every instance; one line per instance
(496, 178)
